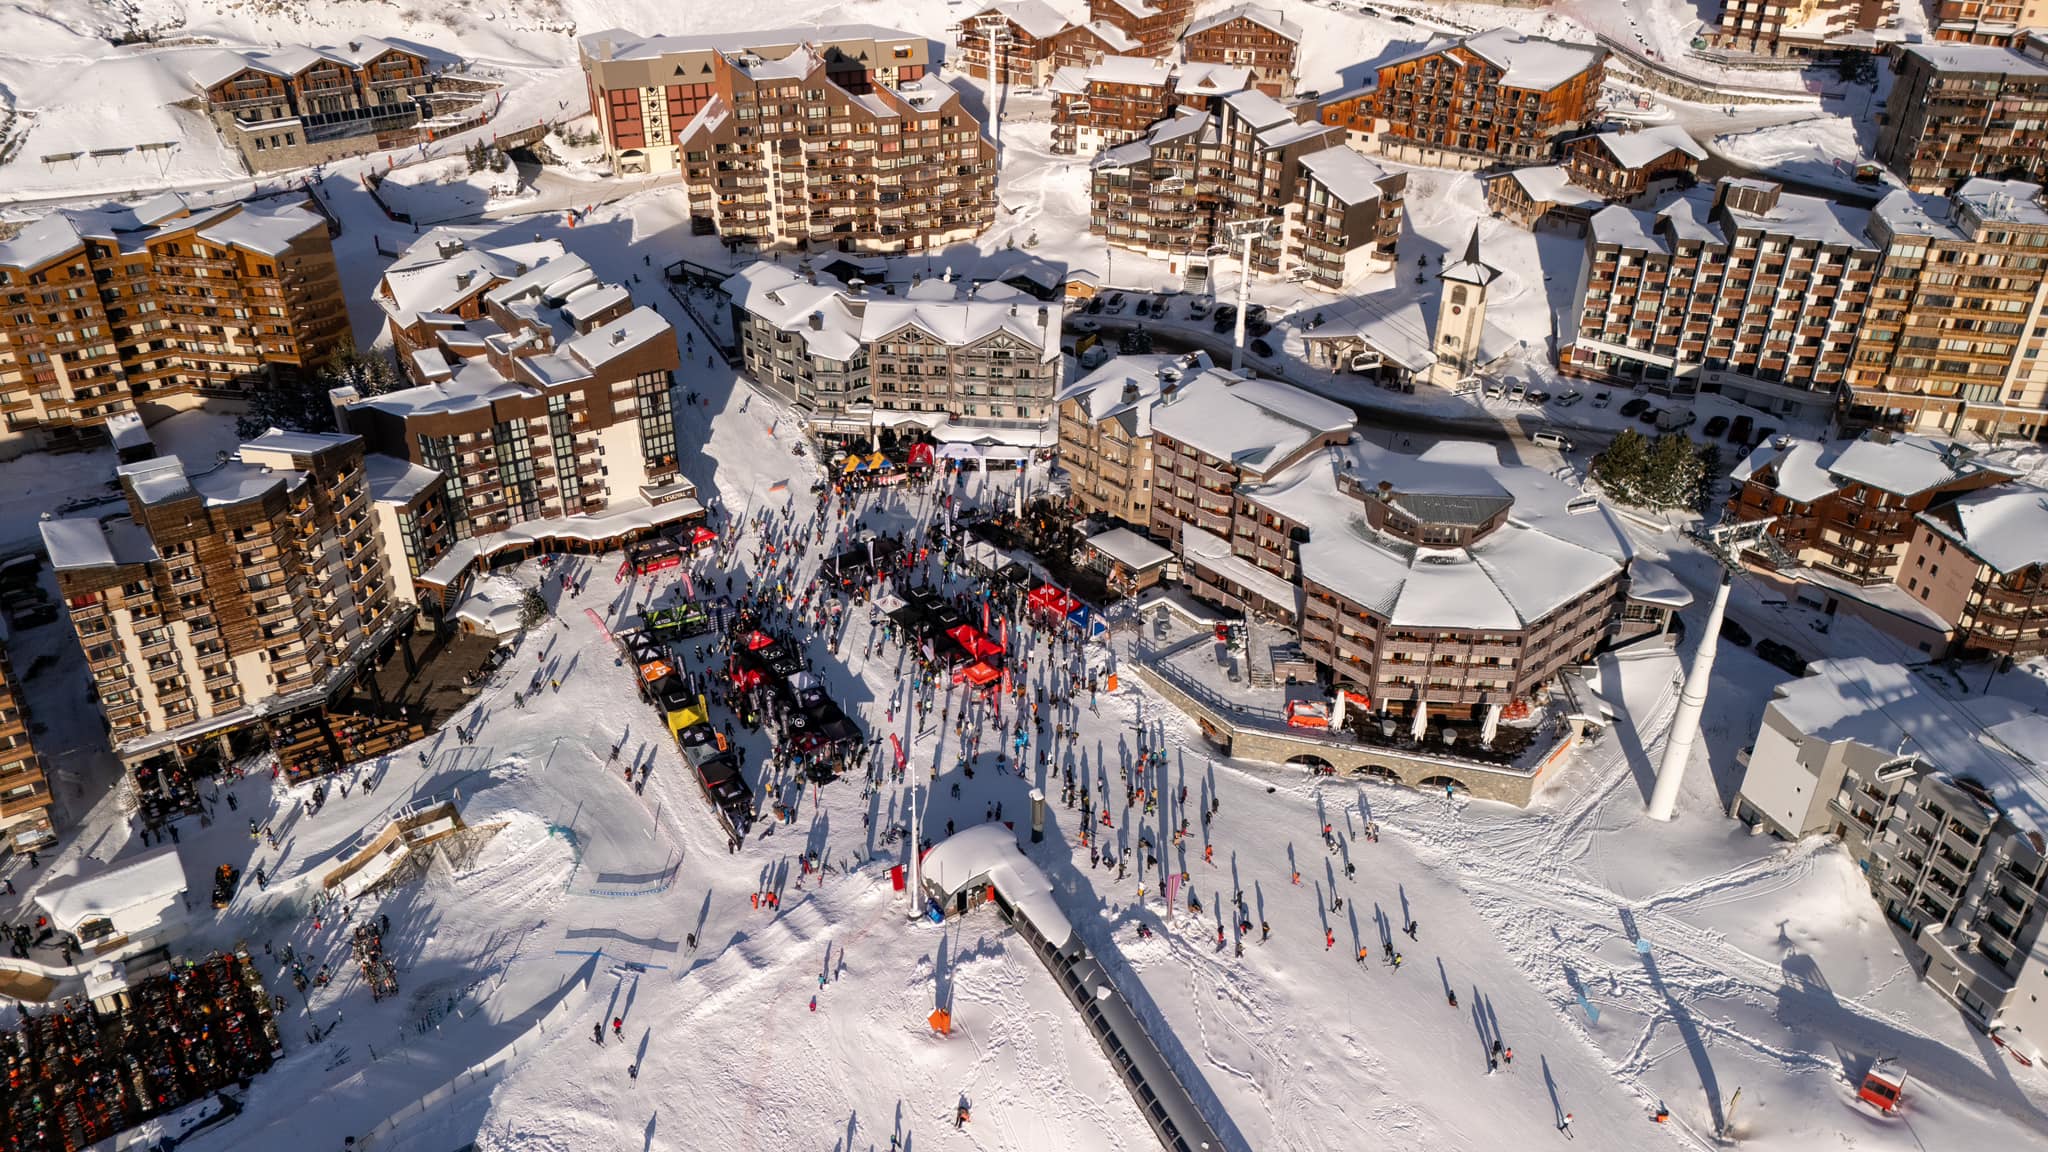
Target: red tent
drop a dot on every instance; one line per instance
(978, 674)
(1050, 599)
(920, 455)
(757, 640)
(700, 536)
(977, 645)
(746, 678)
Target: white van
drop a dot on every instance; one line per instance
(1550, 439)
(1096, 356)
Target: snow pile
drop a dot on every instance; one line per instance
(446, 189)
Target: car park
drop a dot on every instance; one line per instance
(1715, 427)
(1635, 407)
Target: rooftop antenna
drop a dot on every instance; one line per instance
(1727, 542)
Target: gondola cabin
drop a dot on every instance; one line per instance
(1883, 1086)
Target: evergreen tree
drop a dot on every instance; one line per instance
(533, 608)
(301, 404)
(1620, 469)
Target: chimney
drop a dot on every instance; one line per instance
(817, 321)
(462, 279)
(1044, 315)
(618, 335)
(1130, 391)
(355, 46)
(916, 278)
(604, 48)
(1013, 310)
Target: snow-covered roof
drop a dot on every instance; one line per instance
(1539, 560)
(617, 337)
(1654, 583)
(1258, 109)
(269, 229)
(473, 384)
(1270, 19)
(2008, 201)
(1801, 468)
(127, 430)
(1532, 62)
(1888, 707)
(1394, 325)
(625, 45)
(298, 443)
(1129, 549)
(1211, 79)
(1626, 228)
(1038, 19)
(1140, 70)
(1635, 149)
(590, 300)
(263, 228)
(2005, 527)
(77, 542)
(1346, 172)
(1257, 425)
(836, 324)
(1905, 465)
(396, 481)
(988, 853)
(144, 885)
(1113, 37)
(1126, 388)
(1551, 184)
(1470, 268)
(1983, 59)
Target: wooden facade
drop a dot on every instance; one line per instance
(1495, 96)
(1258, 38)
(96, 311)
(1959, 111)
(1154, 25)
(25, 801)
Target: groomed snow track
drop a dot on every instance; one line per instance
(1160, 1095)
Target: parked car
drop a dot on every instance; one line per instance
(1735, 633)
(1116, 302)
(1226, 314)
(1159, 305)
(1094, 304)
(1715, 427)
(1537, 396)
(1084, 324)
(1495, 391)
(1602, 399)
(1261, 349)
(1095, 357)
(1676, 419)
(1254, 312)
(1257, 326)
(1780, 655)
(1198, 307)
(1571, 397)
(1738, 432)
(1650, 416)
(1634, 407)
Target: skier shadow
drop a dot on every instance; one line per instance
(1688, 1026)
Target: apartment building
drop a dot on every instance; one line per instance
(1959, 111)
(1599, 168)
(1025, 35)
(1106, 432)
(1742, 289)
(1938, 812)
(958, 367)
(25, 800)
(410, 503)
(1953, 336)
(294, 107)
(1796, 27)
(1212, 433)
(835, 137)
(1995, 22)
(1851, 510)
(1447, 584)
(1082, 45)
(1492, 96)
(542, 393)
(1980, 562)
(225, 598)
(1171, 192)
(158, 304)
(1112, 101)
(1248, 36)
(1155, 25)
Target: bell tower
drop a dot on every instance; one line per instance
(1461, 315)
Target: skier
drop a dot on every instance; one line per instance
(1410, 930)
(1329, 939)
(1453, 997)
(619, 1028)
(1565, 1125)
(597, 1032)
(961, 1117)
